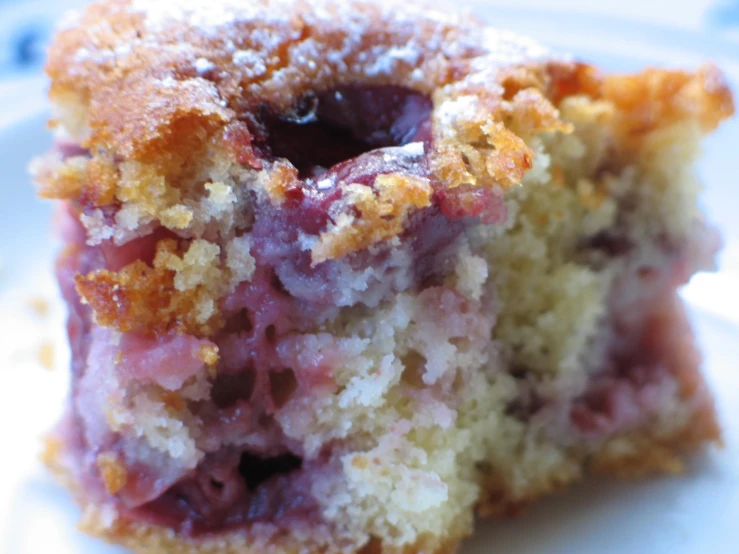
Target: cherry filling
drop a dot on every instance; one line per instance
(67, 149)
(256, 470)
(652, 348)
(229, 490)
(645, 359)
(332, 126)
(351, 135)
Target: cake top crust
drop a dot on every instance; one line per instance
(140, 73)
(159, 108)
(140, 66)
(157, 82)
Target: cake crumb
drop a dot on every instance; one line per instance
(208, 354)
(360, 462)
(52, 449)
(177, 217)
(46, 355)
(40, 306)
(173, 401)
(113, 472)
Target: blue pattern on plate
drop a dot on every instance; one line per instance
(25, 29)
(725, 14)
(26, 46)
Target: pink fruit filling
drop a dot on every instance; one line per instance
(651, 352)
(232, 489)
(258, 375)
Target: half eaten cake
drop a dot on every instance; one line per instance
(341, 275)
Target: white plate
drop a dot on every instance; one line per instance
(693, 513)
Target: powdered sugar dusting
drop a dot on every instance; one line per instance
(202, 14)
(203, 66)
(504, 47)
(413, 149)
(425, 34)
(273, 51)
(168, 82)
(388, 61)
(250, 63)
(210, 16)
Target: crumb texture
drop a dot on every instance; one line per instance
(342, 275)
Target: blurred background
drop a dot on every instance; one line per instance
(691, 515)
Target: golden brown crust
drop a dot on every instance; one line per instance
(649, 100)
(658, 98)
(112, 471)
(146, 298)
(140, 87)
(628, 456)
(382, 214)
(648, 454)
(149, 539)
(142, 298)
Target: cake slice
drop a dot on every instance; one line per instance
(340, 275)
